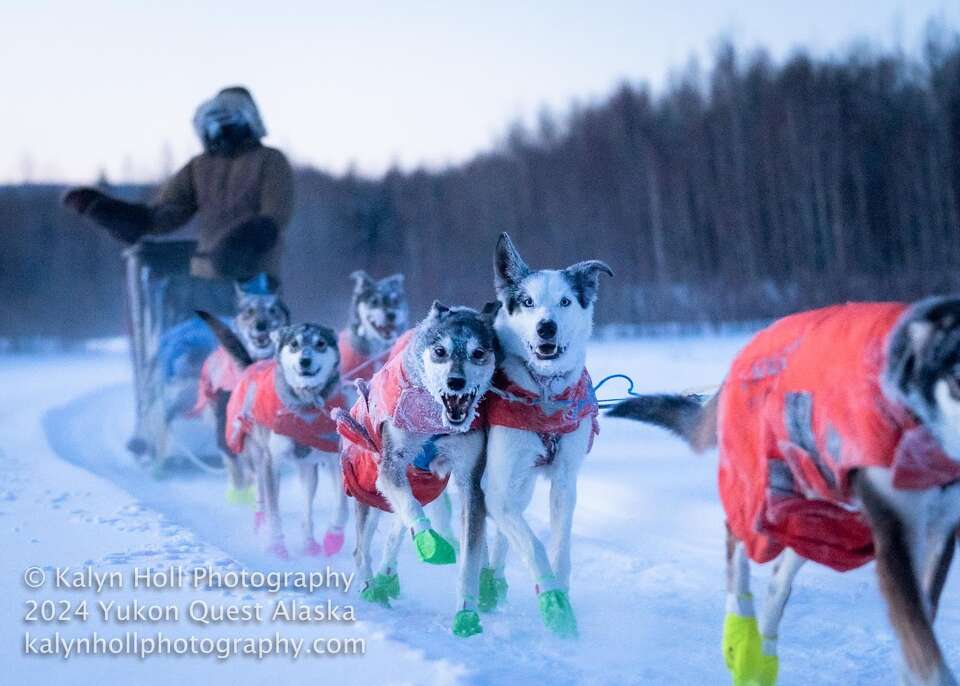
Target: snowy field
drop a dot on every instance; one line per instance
(648, 555)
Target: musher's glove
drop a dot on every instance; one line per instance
(126, 221)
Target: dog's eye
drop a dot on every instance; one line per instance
(294, 346)
(274, 311)
(478, 355)
(321, 345)
(439, 351)
(526, 301)
(565, 302)
(249, 312)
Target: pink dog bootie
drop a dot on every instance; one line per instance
(311, 548)
(332, 541)
(279, 549)
(259, 517)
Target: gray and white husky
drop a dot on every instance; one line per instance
(379, 313)
(913, 529)
(308, 361)
(543, 329)
(452, 357)
(260, 312)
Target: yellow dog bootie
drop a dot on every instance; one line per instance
(743, 652)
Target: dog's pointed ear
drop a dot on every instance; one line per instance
(490, 310)
(394, 282)
(584, 278)
(238, 290)
(438, 310)
(509, 269)
(361, 281)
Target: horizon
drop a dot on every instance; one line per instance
(385, 105)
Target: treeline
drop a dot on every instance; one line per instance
(740, 194)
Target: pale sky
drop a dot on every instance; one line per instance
(94, 84)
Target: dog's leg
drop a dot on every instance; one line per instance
(308, 482)
(269, 467)
(333, 538)
(440, 512)
(895, 518)
(255, 457)
(473, 517)
(937, 568)
(374, 590)
(238, 490)
(778, 592)
(386, 584)
(493, 579)
(563, 502)
(393, 483)
(508, 486)
(742, 645)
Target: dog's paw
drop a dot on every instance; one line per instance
(259, 517)
(242, 497)
(311, 548)
(467, 623)
(743, 653)
(381, 588)
(279, 550)
(557, 614)
(493, 590)
(433, 548)
(332, 542)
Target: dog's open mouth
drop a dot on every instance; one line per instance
(260, 340)
(548, 351)
(386, 331)
(457, 406)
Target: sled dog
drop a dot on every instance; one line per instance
(839, 442)
(419, 421)
(379, 313)
(541, 416)
(281, 410)
(260, 311)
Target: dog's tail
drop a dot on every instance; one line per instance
(688, 416)
(228, 339)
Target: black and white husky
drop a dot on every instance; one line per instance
(277, 407)
(450, 358)
(260, 312)
(543, 329)
(912, 521)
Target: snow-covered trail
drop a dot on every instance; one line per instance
(648, 551)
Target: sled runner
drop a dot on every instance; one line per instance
(167, 344)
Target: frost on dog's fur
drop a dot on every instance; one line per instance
(452, 356)
(258, 315)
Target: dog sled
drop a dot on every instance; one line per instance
(168, 345)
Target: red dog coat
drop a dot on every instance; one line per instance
(355, 365)
(391, 396)
(220, 374)
(515, 407)
(255, 401)
(801, 408)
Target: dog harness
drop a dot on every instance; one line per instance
(357, 365)
(256, 401)
(220, 374)
(392, 396)
(802, 408)
(549, 416)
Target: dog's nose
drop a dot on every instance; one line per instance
(456, 383)
(305, 362)
(261, 325)
(546, 329)
(391, 316)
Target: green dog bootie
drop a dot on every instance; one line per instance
(241, 496)
(557, 614)
(433, 548)
(467, 623)
(380, 589)
(493, 590)
(743, 653)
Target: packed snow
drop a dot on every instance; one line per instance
(648, 571)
